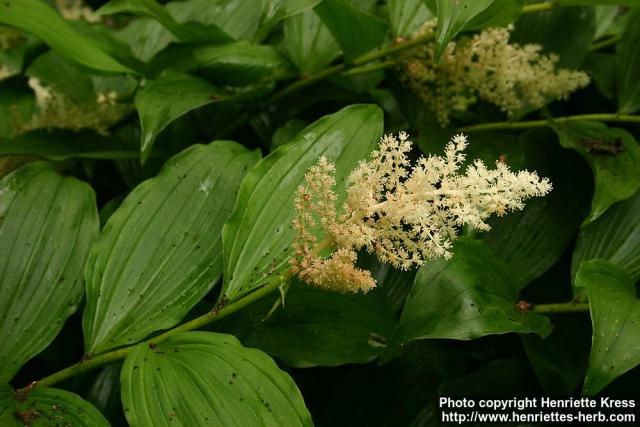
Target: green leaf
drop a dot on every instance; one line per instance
(407, 16)
(597, 2)
(60, 145)
(6, 393)
(560, 360)
(498, 14)
(453, 16)
(309, 43)
(189, 32)
(160, 252)
(467, 297)
(628, 66)
(615, 237)
(47, 224)
(235, 64)
(602, 69)
(614, 157)
(104, 393)
(50, 406)
(198, 378)
(533, 239)
(315, 327)
(566, 31)
(38, 18)
(615, 315)
(239, 19)
(162, 100)
(145, 37)
(356, 31)
(257, 238)
(274, 11)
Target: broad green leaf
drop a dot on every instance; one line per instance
(597, 2)
(565, 31)
(234, 64)
(393, 284)
(498, 14)
(467, 297)
(239, 19)
(605, 18)
(614, 157)
(6, 394)
(164, 99)
(287, 132)
(47, 224)
(104, 394)
(560, 360)
(274, 11)
(309, 43)
(628, 66)
(601, 67)
(200, 378)
(615, 316)
(356, 32)
(51, 407)
(60, 145)
(315, 327)
(615, 237)
(190, 32)
(407, 16)
(453, 16)
(160, 252)
(257, 238)
(38, 18)
(145, 37)
(533, 239)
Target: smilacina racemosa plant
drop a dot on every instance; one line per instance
(404, 215)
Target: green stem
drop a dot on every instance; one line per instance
(540, 7)
(370, 68)
(375, 55)
(217, 313)
(198, 322)
(625, 118)
(605, 43)
(342, 67)
(565, 307)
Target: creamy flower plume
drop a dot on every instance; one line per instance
(401, 214)
(54, 109)
(515, 78)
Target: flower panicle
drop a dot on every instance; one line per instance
(403, 215)
(516, 78)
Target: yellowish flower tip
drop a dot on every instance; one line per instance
(76, 10)
(55, 109)
(402, 214)
(515, 78)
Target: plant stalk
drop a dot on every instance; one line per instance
(565, 307)
(605, 43)
(623, 118)
(220, 311)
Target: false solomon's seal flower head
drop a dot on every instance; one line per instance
(402, 213)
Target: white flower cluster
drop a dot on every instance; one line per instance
(515, 78)
(55, 110)
(76, 10)
(403, 215)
